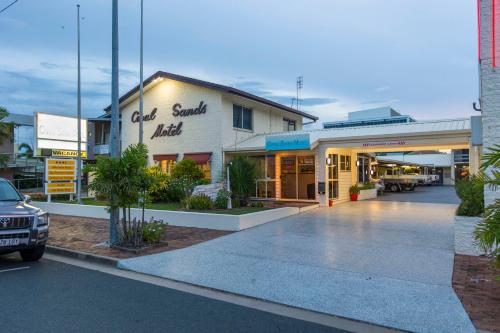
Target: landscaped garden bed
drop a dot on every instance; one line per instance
(476, 283)
(89, 235)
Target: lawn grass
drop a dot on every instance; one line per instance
(175, 206)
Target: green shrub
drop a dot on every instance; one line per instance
(354, 189)
(236, 204)
(367, 186)
(257, 204)
(198, 202)
(471, 193)
(152, 232)
(222, 199)
(242, 172)
(187, 169)
(158, 191)
(178, 189)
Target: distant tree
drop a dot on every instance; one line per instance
(5, 128)
(5, 134)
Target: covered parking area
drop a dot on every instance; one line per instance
(363, 143)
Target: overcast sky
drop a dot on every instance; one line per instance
(418, 56)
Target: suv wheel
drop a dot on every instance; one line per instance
(33, 254)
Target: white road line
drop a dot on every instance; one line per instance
(14, 269)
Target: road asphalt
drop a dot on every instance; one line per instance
(51, 296)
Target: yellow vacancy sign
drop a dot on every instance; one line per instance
(68, 153)
(60, 188)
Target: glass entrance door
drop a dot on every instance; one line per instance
(298, 177)
(289, 177)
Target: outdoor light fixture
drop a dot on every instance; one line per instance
(357, 163)
(328, 161)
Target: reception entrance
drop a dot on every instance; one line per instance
(297, 177)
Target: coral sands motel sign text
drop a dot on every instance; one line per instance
(172, 129)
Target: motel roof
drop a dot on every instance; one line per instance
(392, 131)
(225, 89)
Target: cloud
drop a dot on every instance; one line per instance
(382, 89)
(11, 23)
(283, 97)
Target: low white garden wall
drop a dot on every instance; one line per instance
(464, 235)
(178, 218)
(367, 194)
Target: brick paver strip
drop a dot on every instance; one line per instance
(84, 234)
(474, 281)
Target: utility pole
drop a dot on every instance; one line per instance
(79, 116)
(141, 84)
(115, 110)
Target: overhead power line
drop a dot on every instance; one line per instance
(5, 8)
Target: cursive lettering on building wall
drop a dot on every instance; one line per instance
(146, 117)
(170, 130)
(177, 111)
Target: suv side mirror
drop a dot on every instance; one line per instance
(27, 198)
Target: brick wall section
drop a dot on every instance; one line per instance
(490, 84)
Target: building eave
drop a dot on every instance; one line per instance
(210, 85)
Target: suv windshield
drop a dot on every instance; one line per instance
(8, 192)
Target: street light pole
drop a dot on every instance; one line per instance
(229, 202)
(141, 84)
(79, 116)
(115, 109)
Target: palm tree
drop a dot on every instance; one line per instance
(487, 232)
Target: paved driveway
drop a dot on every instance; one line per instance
(388, 263)
(430, 194)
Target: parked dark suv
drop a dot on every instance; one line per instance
(23, 227)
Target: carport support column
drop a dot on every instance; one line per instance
(322, 198)
(474, 159)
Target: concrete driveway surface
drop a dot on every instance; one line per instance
(382, 262)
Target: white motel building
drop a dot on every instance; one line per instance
(210, 123)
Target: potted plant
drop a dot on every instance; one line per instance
(354, 192)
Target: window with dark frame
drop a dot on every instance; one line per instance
(289, 125)
(345, 163)
(333, 176)
(242, 117)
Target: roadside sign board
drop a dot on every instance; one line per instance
(68, 153)
(61, 188)
(60, 175)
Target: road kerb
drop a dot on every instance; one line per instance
(98, 259)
